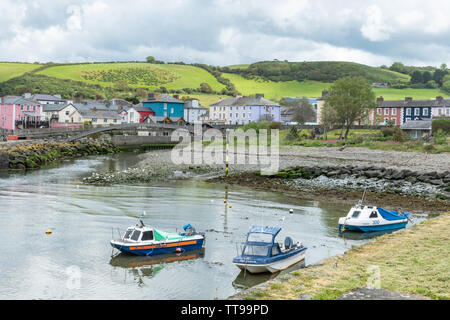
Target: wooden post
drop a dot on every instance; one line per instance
(226, 154)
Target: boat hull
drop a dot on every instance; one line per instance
(158, 248)
(373, 228)
(273, 266)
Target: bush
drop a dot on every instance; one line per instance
(388, 131)
(443, 124)
(275, 125)
(440, 137)
(292, 135)
(399, 135)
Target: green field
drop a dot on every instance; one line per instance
(417, 94)
(277, 90)
(10, 70)
(171, 76)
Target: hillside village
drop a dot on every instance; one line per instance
(51, 111)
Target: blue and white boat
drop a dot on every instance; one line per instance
(142, 240)
(371, 218)
(262, 254)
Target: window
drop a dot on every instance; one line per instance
(171, 110)
(425, 112)
(94, 119)
(127, 234)
(356, 214)
(259, 237)
(417, 112)
(67, 113)
(394, 111)
(147, 235)
(386, 120)
(135, 235)
(165, 106)
(231, 115)
(105, 120)
(237, 115)
(447, 111)
(275, 251)
(386, 111)
(252, 250)
(439, 111)
(379, 111)
(115, 120)
(231, 108)
(373, 215)
(165, 113)
(408, 111)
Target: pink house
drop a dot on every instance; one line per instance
(19, 113)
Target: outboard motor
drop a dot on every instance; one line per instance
(189, 229)
(288, 242)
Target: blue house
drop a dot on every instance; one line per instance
(164, 105)
(417, 110)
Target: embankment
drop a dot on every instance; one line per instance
(413, 261)
(33, 155)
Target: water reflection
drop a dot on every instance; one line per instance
(142, 267)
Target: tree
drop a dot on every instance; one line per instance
(150, 59)
(426, 76)
(351, 98)
(398, 67)
(439, 75)
(328, 118)
(302, 110)
(205, 88)
(416, 77)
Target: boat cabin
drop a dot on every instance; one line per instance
(138, 234)
(261, 242)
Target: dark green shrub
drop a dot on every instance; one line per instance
(443, 124)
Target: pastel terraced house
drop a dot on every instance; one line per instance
(19, 113)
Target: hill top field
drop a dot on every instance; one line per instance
(274, 79)
(10, 70)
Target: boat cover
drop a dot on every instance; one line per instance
(161, 235)
(391, 215)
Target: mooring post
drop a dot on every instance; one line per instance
(226, 153)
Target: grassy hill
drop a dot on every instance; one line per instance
(151, 76)
(10, 70)
(277, 79)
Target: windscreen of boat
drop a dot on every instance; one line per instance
(252, 250)
(128, 233)
(260, 237)
(135, 235)
(356, 214)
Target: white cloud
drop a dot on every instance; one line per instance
(375, 28)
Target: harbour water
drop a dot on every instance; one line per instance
(74, 261)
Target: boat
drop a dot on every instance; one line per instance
(262, 254)
(371, 219)
(141, 240)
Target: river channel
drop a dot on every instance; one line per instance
(74, 261)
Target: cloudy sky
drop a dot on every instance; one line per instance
(224, 32)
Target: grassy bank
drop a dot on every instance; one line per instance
(414, 261)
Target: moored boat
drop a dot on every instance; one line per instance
(142, 240)
(262, 254)
(371, 218)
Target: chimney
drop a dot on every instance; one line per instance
(27, 95)
(176, 96)
(259, 95)
(151, 96)
(324, 93)
(408, 99)
(380, 99)
(439, 99)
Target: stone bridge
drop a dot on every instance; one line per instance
(128, 126)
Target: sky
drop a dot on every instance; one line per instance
(226, 32)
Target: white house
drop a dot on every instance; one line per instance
(193, 111)
(242, 110)
(45, 98)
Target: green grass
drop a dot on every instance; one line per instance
(205, 99)
(182, 76)
(417, 94)
(10, 70)
(239, 66)
(277, 90)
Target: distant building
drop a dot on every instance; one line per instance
(45, 98)
(193, 111)
(417, 128)
(380, 85)
(164, 105)
(19, 113)
(243, 110)
(96, 117)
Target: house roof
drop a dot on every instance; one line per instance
(18, 100)
(414, 103)
(164, 98)
(245, 101)
(417, 125)
(46, 97)
(53, 107)
(103, 114)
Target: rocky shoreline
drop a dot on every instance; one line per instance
(33, 155)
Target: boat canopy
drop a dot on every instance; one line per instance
(391, 215)
(161, 235)
(271, 230)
